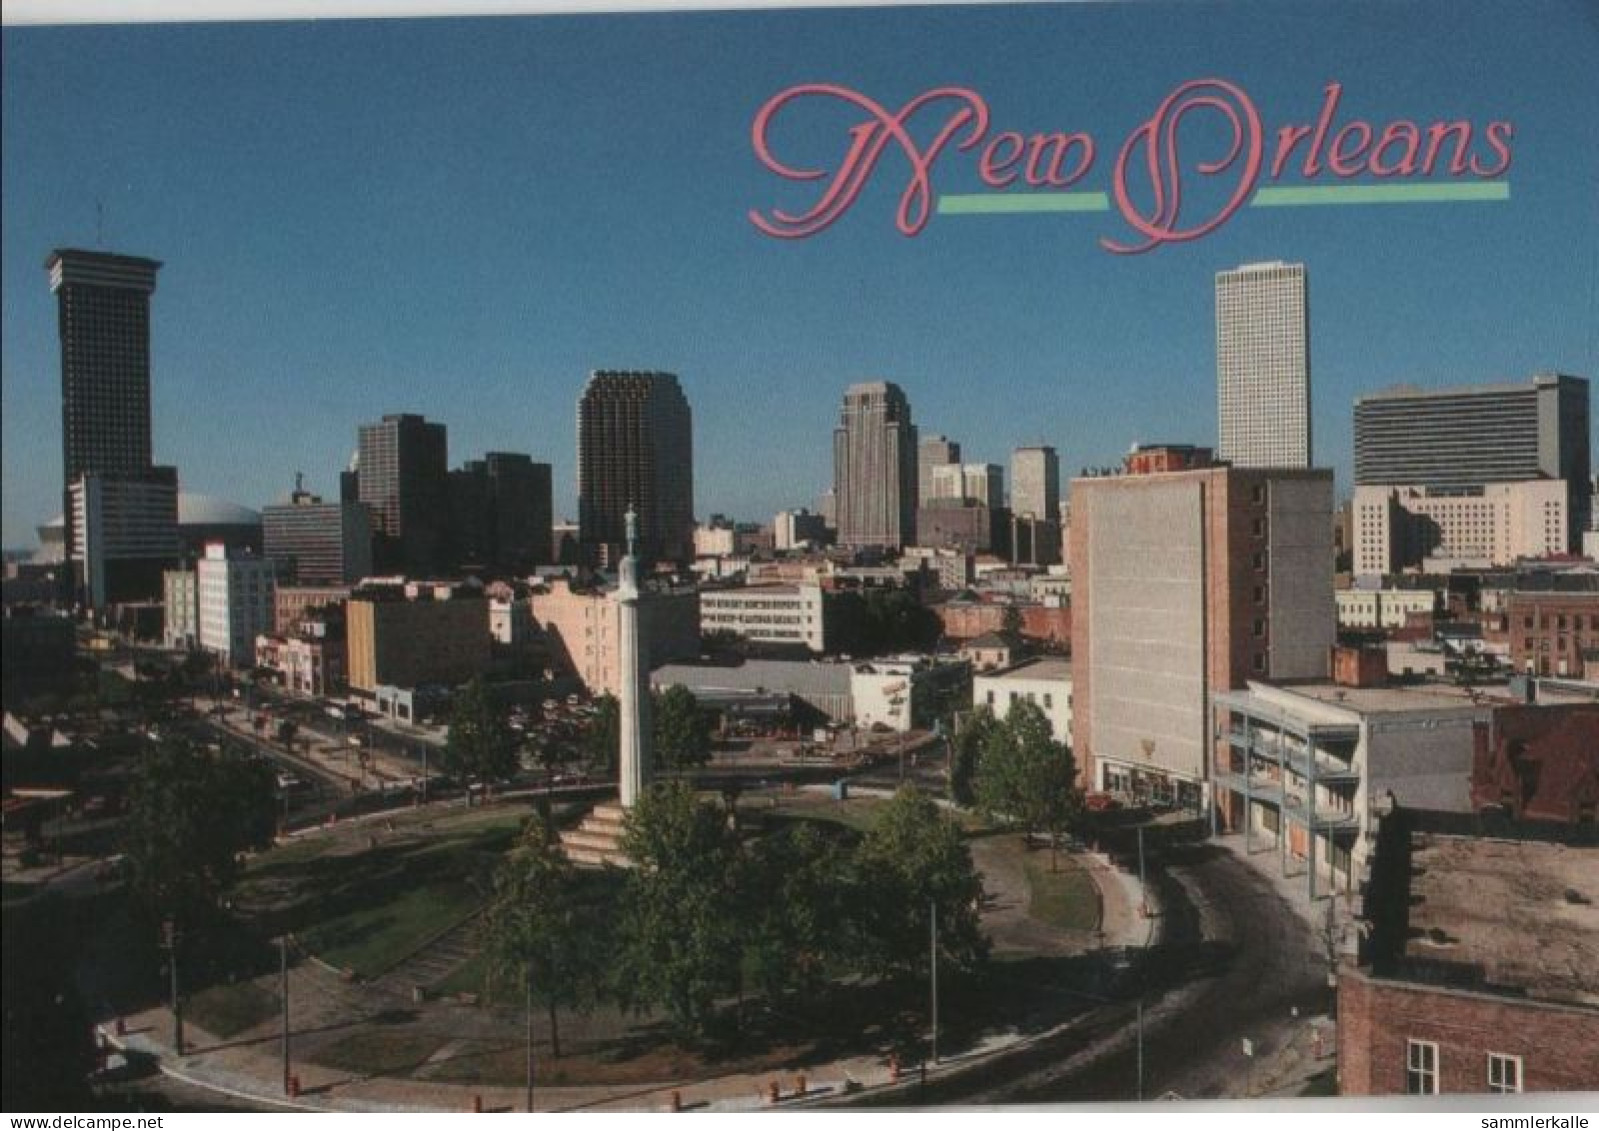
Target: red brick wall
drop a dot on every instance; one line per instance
(965, 622)
(1552, 630)
(1558, 1045)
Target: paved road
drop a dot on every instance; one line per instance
(1233, 962)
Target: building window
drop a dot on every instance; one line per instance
(1504, 1073)
(1421, 1068)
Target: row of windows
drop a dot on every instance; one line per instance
(1421, 1070)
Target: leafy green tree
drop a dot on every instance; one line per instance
(679, 933)
(879, 621)
(969, 741)
(46, 1042)
(602, 739)
(540, 933)
(682, 730)
(795, 895)
(912, 859)
(1012, 626)
(1025, 777)
(481, 745)
(191, 814)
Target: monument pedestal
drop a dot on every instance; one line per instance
(597, 842)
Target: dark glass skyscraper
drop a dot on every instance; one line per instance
(635, 448)
(500, 510)
(103, 318)
(404, 479)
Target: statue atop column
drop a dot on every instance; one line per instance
(634, 692)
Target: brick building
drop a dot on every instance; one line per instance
(1554, 633)
(964, 620)
(1538, 763)
(1478, 968)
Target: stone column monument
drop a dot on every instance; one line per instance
(634, 653)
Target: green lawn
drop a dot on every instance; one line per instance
(228, 1010)
(365, 907)
(1066, 899)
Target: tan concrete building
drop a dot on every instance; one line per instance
(404, 635)
(1186, 584)
(583, 626)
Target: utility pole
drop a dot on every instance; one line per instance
(283, 991)
(934, 905)
(529, 1004)
(1140, 1035)
(170, 927)
(1143, 893)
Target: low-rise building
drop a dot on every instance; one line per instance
(1478, 962)
(767, 614)
(293, 603)
(1382, 608)
(1554, 633)
(1539, 762)
(1300, 767)
(988, 652)
(583, 629)
(903, 693)
(404, 634)
(815, 691)
(1045, 681)
(312, 661)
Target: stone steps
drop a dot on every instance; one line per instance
(597, 842)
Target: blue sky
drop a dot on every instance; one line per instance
(464, 217)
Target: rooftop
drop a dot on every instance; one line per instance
(1522, 914)
(1388, 700)
(1051, 668)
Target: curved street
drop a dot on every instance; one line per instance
(1233, 961)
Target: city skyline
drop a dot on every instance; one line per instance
(615, 237)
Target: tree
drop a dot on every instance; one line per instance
(190, 815)
(679, 930)
(682, 731)
(1025, 777)
(602, 740)
(913, 859)
(969, 741)
(481, 745)
(541, 937)
(1011, 625)
(795, 908)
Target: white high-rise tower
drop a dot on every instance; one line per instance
(1263, 366)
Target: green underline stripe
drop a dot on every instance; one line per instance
(998, 203)
(977, 203)
(1380, 194)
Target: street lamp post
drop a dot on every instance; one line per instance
(283, 990)
(934, 906)
(171, 937)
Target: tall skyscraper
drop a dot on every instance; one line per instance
(404, 479)
(1263, 365)
(875, 467)
(1035, 483)
(1466, 437)
(931, 452)
(103, 321)
(500, 511)
(635, 449)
